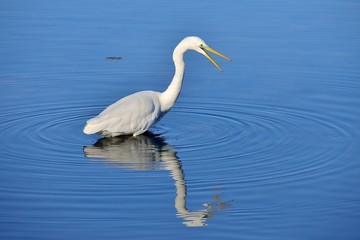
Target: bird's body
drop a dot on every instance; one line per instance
(120, 118)
(136, 113)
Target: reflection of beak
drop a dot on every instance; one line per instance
(206, 48)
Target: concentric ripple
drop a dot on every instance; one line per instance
(267, 142)
(202, 144)
(43, 132)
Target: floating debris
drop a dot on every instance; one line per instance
(114, 58)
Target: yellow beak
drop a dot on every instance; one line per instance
(206, 48)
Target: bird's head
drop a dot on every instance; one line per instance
(197, 44)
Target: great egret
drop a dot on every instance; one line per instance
(136, 113)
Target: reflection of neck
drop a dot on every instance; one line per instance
(191, 218)
(178, 175)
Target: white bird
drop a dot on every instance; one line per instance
(136, 113)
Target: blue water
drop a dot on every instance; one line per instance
(268, 149)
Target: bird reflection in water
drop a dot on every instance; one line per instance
(151, 152)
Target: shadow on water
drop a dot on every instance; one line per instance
(151, 152)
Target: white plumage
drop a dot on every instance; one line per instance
(120, 118)
(136, 113)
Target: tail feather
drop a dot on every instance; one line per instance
(94, 126)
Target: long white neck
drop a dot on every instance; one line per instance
(169, 96)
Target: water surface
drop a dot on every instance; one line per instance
(266, 150)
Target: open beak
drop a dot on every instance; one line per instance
(206, 48)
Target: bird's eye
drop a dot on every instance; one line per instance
(201, 45)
